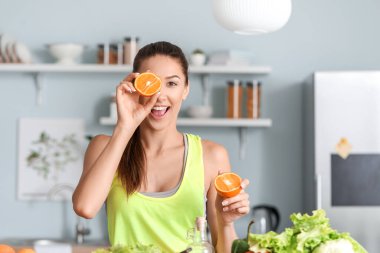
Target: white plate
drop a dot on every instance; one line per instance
(4, 41)
(1, 55)
(11, 52)
(22, 52)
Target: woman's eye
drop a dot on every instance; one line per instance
(172, 84)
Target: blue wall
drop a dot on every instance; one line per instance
(321, 35)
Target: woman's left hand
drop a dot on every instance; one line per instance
(233, 208)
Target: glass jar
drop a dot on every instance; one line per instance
(234, 99)
(130, 49)
(120, 52)
(103, 54)
(253, 99)
(113, 54)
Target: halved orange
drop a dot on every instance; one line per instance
(228, 184)
(26, 250)
(147, 84)
(4, 248)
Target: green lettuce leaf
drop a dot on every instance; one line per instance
(138, 248)
(357, 247)
(306, 234)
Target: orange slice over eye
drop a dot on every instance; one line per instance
(4, 248)
(26, 250)
(228, 184)
(147, 84)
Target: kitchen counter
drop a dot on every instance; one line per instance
(55, 245)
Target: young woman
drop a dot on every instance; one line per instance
(154, 179)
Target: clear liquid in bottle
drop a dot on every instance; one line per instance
(198, 236)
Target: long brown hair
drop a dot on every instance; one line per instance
(132, 166)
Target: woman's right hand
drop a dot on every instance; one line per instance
(130, 112)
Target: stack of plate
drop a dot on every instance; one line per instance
(12, 51)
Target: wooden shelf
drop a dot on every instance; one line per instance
(36, 70)
(56, 68)
(204, 71)
(99, 68)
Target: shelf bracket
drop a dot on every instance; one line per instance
(242, 142)
(38, 84)
(205, 89)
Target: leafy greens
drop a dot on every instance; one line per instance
(307, 234)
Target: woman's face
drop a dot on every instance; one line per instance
(174, 90)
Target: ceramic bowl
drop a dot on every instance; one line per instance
(199, 111)
(66, 53)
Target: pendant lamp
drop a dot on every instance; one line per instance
(252, 17)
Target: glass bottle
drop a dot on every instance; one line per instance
(198, 236)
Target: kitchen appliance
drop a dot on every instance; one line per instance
(342, 141)
(267, 218)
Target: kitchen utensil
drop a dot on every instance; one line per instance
(267, 218)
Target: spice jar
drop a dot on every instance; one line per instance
(234, 99)
(103, 54)
(120, 52)
(130, 49)
(113, 54)
(253, 99)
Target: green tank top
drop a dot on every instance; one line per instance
(163, 222)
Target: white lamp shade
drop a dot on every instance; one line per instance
(252, 16)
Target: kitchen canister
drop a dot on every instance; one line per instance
(234, 99)
(253, 92)
(103, 53)
(113, 54)
(131, 48)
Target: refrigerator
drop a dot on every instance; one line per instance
(342, 151)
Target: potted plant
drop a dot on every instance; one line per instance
(198, 57)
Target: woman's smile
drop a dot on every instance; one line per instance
(159, 112)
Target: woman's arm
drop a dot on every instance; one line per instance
(221, 217)
(100, 164)
(104, 153)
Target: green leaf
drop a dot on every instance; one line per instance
(307, 233)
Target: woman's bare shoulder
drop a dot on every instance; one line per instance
(215, 156)
(100, 138)
(99, 141)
